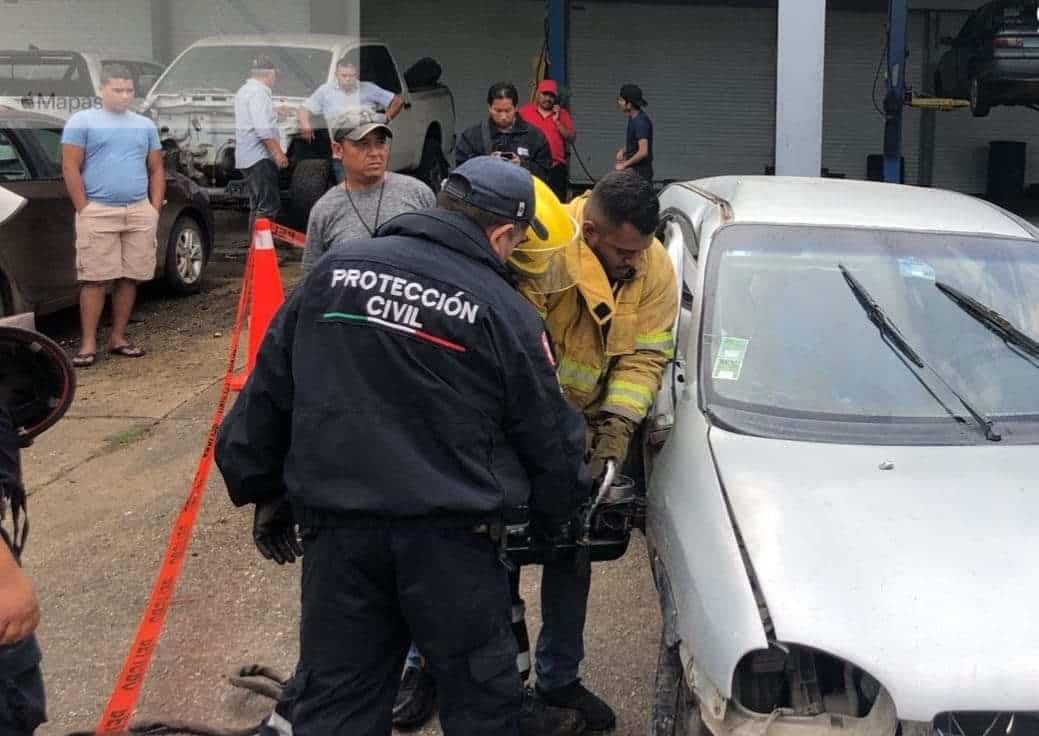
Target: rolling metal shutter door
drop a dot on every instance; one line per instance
(708, 73)
(961, 140)
(112, 28)
(475, 44)
(852, 127)
(192, 20)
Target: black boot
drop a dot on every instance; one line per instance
(598, 716)
(539, 719)
(415, 698)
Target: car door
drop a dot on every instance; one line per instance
(679, 239)
(37, 247)
(378, 67)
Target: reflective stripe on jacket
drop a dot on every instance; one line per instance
(619, 373)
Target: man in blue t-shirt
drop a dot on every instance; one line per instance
(112, 162)
(346, 94)
(637, 153)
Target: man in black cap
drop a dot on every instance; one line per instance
(637, 153)
(403, 398)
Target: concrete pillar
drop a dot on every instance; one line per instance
(335, 16)
(558, 35)
(801, 55)
(162, 33)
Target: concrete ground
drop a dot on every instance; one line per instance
(106, 484)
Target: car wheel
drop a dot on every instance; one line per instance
(311, 178)
(676, 711)
(939, 88)
(979, 98)
(186, 256)
(433, 168)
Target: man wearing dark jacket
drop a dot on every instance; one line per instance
(403, 398)
(506, 135)
(22, 699)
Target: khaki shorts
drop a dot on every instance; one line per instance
(116, 242)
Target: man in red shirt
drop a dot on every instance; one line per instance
(558, 127)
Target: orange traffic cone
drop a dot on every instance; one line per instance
(265, 295)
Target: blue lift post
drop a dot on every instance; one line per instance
(557, 19)
(894, 100)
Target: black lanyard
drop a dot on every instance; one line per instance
(378, 207)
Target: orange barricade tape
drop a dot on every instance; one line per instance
(288, 235)
(121, 703)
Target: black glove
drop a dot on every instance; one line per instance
(547, 532)
(274, 531)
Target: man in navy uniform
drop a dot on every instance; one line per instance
(403, 399)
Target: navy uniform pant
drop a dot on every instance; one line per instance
(366, 593)
(22, 704)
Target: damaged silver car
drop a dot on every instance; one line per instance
(842, 463)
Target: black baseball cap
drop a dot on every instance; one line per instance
(633, 94)
(496, 186)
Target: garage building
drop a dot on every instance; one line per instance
(708, 69)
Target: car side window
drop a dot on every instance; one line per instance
(50, 143)
(12, 165)
(146, 78)
(377, 67)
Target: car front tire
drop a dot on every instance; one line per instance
(186, 256)
(433, 168)
(980, 103)
(676, 711)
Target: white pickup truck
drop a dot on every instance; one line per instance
(192, 104)
(61, 83)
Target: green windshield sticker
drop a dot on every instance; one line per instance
(729, 364)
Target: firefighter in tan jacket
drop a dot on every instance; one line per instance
(612, 337)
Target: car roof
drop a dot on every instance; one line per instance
(844, 203)
(274, 40)
(14, 117)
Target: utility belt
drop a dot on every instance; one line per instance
(310, 518)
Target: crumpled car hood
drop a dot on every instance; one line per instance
(925, 575)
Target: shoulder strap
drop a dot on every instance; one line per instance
(485, 129)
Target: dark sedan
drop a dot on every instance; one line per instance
(995, 58)
(37, 246)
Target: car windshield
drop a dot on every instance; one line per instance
(225, 68)
(785, 336)
(61, 76)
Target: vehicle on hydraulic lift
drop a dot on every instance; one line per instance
(994, 60)
(193, 106)
(840, 463)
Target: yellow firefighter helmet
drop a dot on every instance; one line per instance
(541, 259)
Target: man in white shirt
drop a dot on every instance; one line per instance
(346, 94)
(258, 152)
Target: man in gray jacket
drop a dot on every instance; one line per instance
(368, 196)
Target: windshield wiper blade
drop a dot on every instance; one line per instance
(878, 317)
(990, 318)
(894, 339)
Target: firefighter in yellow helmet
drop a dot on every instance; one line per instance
(612, 338)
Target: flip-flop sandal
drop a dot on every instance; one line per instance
(129, 350)
(84, 360)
